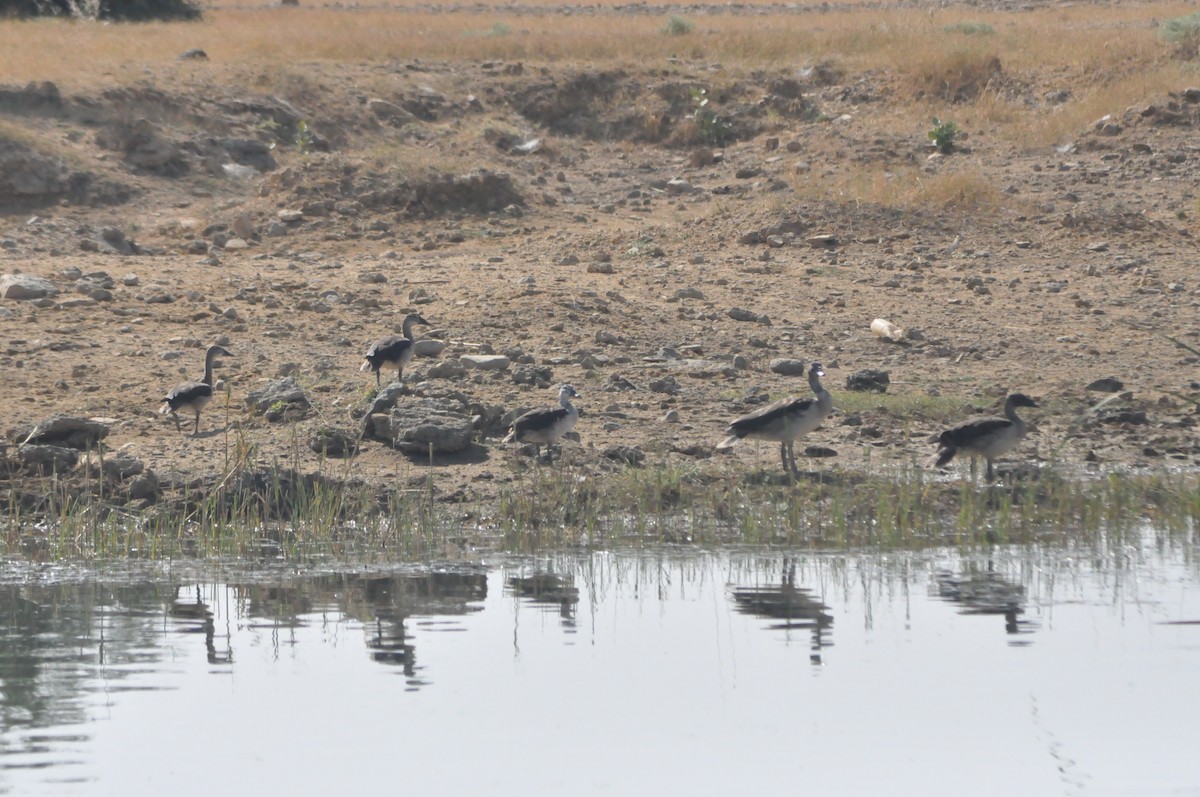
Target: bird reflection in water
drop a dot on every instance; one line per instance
(550, 591)
(986, 592)
(192, 616)
(795, 608)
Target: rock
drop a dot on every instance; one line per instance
(668, 384)
(600, 267)
(787, 366)
(290, 216)
(740, 362)
(741, 314)
(194, 54)
(21, 287)
(606, 338)
(629, 455)
(536, 375)
(447, 369)
(277, 395)
(387, 397)
(30, 176)
(823, 241)
(819, 452)
(143, 147)
(429, 347)
(484, 362)
(63, 430)
(47, 459)
(689, 293)
(333, 442)
(416, 425)
(243, 227)
(116, 468)
(679, 186)
(145, 487)
(868, 380)
(747, 172)
(672, 416)
(1108, 384)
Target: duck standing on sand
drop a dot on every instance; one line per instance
(987, 436)
(785, 420)
(394, 351)
(193, 396)
(548, 424)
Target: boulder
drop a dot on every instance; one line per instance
(787, 366)
(280, 393)
(62, 430)
(484, 362)
(333, 442)
(21, 287)
(868, 380)
(48, 459)
(415, 425)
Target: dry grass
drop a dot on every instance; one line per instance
(1104, 59)
(959, 190)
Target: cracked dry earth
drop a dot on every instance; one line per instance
(663, 302)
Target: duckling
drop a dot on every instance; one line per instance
(548, 424)
(193, 396)
(785, 420)
(394, 351)
(987, 436)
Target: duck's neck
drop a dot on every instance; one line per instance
(408, 327)
(565, 401)
(824, 398)
(208, 364)
(1010, 412)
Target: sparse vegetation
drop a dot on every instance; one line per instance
(709, 126)
(1184, 34)
(678, 26)
(944, 134)
(971, 29)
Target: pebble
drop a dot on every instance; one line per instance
(786, 366)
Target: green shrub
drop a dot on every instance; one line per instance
(678, 26)
(944, 135)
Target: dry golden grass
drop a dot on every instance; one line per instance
(959, 190)
(922, 63)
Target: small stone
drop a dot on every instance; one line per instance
(429, 347)
(672, 416)
(602, 267)
(868, 380)
(333, 442)
(740, 362)
(679, 186)
(741, 314)
(689, 293)
(447, 369)
(823, 241)
(668, 384)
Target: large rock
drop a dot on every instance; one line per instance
(787, 366)
(143, 147)
(278, 394)
(25, 286)
(868, 380)
(417, 424)
(485, 362)
(48, 459)
(333, 442)
(62, 430)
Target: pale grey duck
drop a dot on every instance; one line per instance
(785, 420)
(194, 396)
(987, 436)
(394, 351)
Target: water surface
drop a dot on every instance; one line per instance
(1014, 671)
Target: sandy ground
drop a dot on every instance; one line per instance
(1078, 264)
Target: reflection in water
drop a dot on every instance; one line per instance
(792, 605)
(986, 592)
(88, 666)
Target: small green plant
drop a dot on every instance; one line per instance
(711, 127)
(1184, 33)
(970, 29)
(944, 135)
(304, 139)
(678, 26)
(499, 30)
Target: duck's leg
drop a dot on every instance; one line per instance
(175, 415)
(196, 431)
(378, 379)
(991, 473)
(400, 374)
(792, 456)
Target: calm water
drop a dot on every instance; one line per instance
(1019, 671)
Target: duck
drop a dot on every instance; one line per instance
(784, 421)
(987, 436)
(548, 424)
(194, 396)
(394, 351)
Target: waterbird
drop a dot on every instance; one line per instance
(548, 424)
(193, 396)
(785, 420)
(987, 436)
(394, 351)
